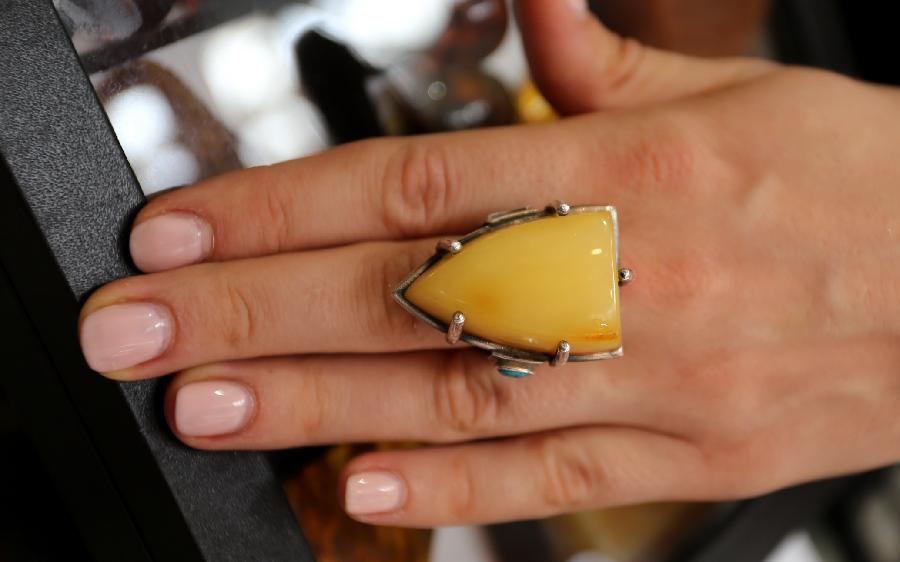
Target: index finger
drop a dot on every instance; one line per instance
(372, 190)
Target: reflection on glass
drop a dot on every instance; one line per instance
(169, 135)
(111, 19)
(442, 88)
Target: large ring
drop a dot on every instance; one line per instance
(530, 286)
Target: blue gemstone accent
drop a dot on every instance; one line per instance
(513, 373)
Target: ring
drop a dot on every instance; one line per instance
(531, 286)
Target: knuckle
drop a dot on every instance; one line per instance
(571, 477)
(462, 499)
(667, 156)
(239, 324)
(737, 391)
(310, 420)
(687, 278)
(276, 218)
(467, 400)
(418, 182)
(722, 385)
(726, 462)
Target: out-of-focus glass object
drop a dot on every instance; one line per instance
(111, 19)
(476, 28)
(443, 88)
(171, 138)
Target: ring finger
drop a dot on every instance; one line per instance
(434, 397)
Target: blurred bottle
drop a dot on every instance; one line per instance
(440, 89)
(476, 29)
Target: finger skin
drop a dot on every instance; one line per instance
(580, 66)
(385, 189)
(337, 300)
(434, 397)
(388, 189)
(536, 476)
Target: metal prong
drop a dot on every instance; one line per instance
(626, 276)
(561, 208)
(562, 354)
(450, 246)
(455, 329)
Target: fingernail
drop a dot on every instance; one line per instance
(204, 409)
(374, 492)
(170, 241)
(124, 335)
(579, 7)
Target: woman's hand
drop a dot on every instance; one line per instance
(759, 207)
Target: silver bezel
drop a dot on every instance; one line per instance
(495, 222)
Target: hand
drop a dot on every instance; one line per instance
(759, 208)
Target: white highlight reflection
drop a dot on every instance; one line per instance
(242, 69)
(142, 119)
(172, 165)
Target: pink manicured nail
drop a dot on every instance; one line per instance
(170, 241)
(374, 492)
(124, 335)
(580, 7)
(204, 409)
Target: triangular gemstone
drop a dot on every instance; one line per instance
(532, 285)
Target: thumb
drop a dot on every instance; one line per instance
(581, 66)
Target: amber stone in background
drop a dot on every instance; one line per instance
(332, 535)
(698, 27)
(532, 106)
(636, 533)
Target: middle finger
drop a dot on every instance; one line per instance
(335, 300)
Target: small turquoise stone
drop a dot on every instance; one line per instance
(513, 373)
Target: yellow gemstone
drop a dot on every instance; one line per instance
(532, 285)
(533, 107)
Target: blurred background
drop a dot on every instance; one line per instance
(194, 88)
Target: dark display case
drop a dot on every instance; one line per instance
(91, 462)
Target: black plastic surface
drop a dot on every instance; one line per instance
(66, 452)
(62, 231)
